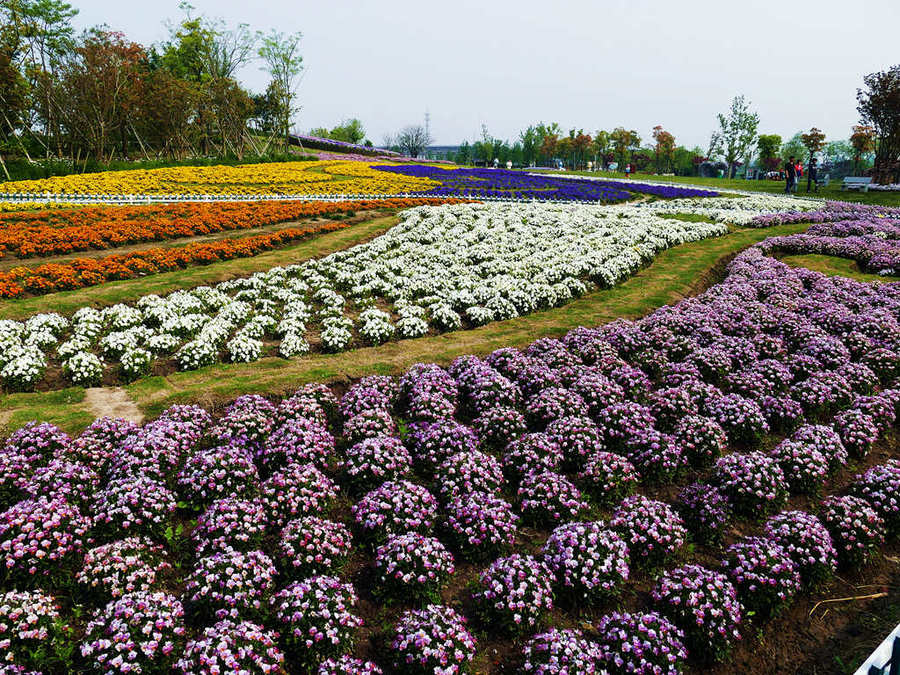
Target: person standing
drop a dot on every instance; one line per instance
(798, 175)
(812, 176)
(790, 175)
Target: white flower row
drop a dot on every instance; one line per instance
(440, 268)
(733, 210)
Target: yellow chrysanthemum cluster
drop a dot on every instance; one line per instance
(277, 178)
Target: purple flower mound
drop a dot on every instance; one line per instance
(634, 382)
(300, 441)
(230, 584)
(322, 395)
(861, 378)
(754, 483)
(297, 490)
(741, 418)
(701, 439)
(73, 482)
(857, 430)
(822, 394)
(137, 632)
(156, 452)
(549, 498)
(534, 376)
(763, 573)
(561, 652)
(807, 542)
(192, 417)
(369, 424)
(803, 465)
(125, 566)
(577, 437)
(15, 470)
(232, 647)
(880, 487)
(885, 363)
(467, 472)
(703, 604)
(705, 510)
(432, 443)
(40, 537)
(652, 530)
(531, 453)
(620, 421)
(300, 407)
(249, 417)
(432, 640)
(783, 414)
(425, 378)
(552, 404)
(482, 388)
(856, 529)
(607, 477)
(597, 391)
(428, 406)
(97, 443)
(215, 473)
(312, 545)
(316, 618)
(514, 593)
(644, 644)
(656, 456)
(825, 440)
(879, 408)
(482, 525)
(229, 523)
(134, 506)
(376, 460)
(671, 405)
(412, 566)
(37, 441)
(497, 427)
(588, 561)
(394, 508)
(348, 665)
(28, 620)
(360, 399)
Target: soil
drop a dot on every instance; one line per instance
(111, 402)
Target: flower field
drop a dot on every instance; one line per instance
(641, 497)
(441, 269)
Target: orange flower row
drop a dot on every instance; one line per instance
(59, 232)
(82, 272)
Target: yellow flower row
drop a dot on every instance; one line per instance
(277, 178)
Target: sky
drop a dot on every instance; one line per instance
(584, 64)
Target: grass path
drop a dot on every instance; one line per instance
(833, 266)
(109, 293)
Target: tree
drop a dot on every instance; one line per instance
(348, 131)
(664, 150)
(768, 145)
(863, 141)
(412, 140)
(464, 154)
(281, 54)
(814, 141)
(530, 144)
(737, 131)
(838, 151)
(794, 147)
(879, 106)
(623, 143)
(601, 147)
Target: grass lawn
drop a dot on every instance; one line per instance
(834, 267)
(832, 191)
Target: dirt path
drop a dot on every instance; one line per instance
(111, 402)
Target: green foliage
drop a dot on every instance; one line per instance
(737, 132)
(768, 145)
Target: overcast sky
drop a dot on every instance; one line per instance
(593, 64)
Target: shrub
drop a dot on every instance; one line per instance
(497, 427)
(73, 482)
(652, 530)
(230, 584)
(136, 632)
(482, 525)
(705, 511)
(807, 542)
(704, 605)
(576, 437)
(702, 439)
(316, 617)
(561, 652)
(232, 647)
(394, 508)
(413, 567)
(348, 665)
(754, 483)
(229, 523)
(32, 630)
(139, 506)
(218, 472)
(640, 643)
(549, 498)
(376, 460)
(803, 466)
(530, 453)
(130, 565)
(297, 490)
(879, 487)
(741, 418)
(369, 424)
(589, 562)
(763, 573)
(514, 593)
(858, 432)
(607, 477)
(312, 545)
(432, 640)
(467, 472)
(856, 529)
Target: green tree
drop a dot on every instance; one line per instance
(793, 147)
(737, 132)
(664, 149)
(348, 131)
(768, 145)
(281, 54)
(813, 141)
(879, 107)
(863, 141)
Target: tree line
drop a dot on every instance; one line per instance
(89, 98)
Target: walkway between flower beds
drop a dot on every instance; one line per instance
(676, 273)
